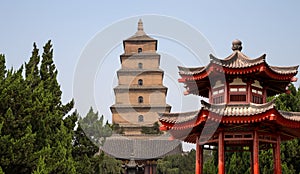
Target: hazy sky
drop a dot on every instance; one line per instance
(263, 26)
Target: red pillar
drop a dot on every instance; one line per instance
(199, 157)
(249, 92)
(221, 153)
(274, 157)
(277, 161)
(150, 168)
(264, 95)
(226, 89)
(210, 95)
(255, 153)
(251, 161)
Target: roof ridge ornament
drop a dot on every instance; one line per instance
(236, 45)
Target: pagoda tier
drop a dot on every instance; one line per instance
(274, 79)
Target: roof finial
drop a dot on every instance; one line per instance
(236, 45)
(140, 25)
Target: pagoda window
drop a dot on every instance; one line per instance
(238, 97)
(140, 50)
(141, 118)
(141, 99)
(140, 82)
(237, 91)
(140, 65)
(218, 93)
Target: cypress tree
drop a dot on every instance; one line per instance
(36, 132)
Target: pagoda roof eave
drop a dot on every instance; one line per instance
(237, 63)
(260, 113)
(237, 60)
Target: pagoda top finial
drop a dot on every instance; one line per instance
(140, 29)
(236, 45)
(140, 25)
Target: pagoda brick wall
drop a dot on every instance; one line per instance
(148, 79)
(133, 47)
(152, 98)
(149, 62)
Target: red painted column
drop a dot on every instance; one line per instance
(255, 153)
(274, 157)
(249, 92)
(199, 157)
(264, 94)
(251, 161)
(226, 92)
(150, 168)
(210, 95)
(277, 160)
(221, 153)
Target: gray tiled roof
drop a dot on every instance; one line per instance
(190, 71)
(291, 115)
(220, 109)
(229, 110)
(285, 70)
(178, 117)
(238, 60)
(140, 149)
(238, 109)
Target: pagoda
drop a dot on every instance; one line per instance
(139, 96)
(236, 116)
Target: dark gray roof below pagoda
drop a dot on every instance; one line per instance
(140, 149)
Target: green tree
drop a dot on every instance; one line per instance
(209, 166)
(290, 150)
(151, 130)
(238, 163)
(177, 164)
(88, 137)
(94, 127)
(36, 135)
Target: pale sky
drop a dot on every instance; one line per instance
(263, 26)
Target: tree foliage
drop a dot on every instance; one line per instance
(154, 129)
(177, 164)
(37, 130)
(290, 150)
(89, 136)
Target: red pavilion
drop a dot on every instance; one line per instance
(237, 116)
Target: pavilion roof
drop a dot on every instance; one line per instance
(228, 110)
(230, 114)
(198, 79)
(238, 60)
(290, 115)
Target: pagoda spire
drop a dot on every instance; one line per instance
(140, 25)
(140, 29)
